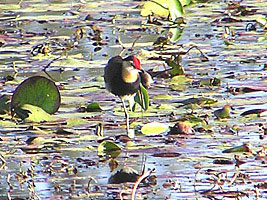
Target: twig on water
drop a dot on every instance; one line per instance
(44, 69)
(139, 180)
(202, 54)
(138, 37)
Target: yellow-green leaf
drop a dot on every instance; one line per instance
(36, 114)
(176, 9)
(154, 128)
(142, 98)
(157, 7)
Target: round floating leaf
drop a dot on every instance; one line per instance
(4, 104)
(242, 148)
(157, 7)
(38, 91)
(223, 112)
(154, 128)
(262, 20)
(123, 176)
(253, 111)
(94, 107)
(223, 161)
(199, 101)
(35, 113)
(76, 122)
(108, 148)
(167, 155)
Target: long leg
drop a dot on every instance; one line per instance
(126, 116)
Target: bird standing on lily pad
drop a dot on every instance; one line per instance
(223, 112)
(124, 77)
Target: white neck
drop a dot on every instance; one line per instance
(129, 73)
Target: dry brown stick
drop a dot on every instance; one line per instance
(195, 179)
(122, 45)
(87, 189)
(234, 178)
(139, 36)
(2, 159)
(44, 69)
(202, 54)
(120, 42)
(257, 193)
(139, 180)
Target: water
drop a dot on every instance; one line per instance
(64, 164)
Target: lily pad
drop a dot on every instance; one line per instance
(242, 148)
(163, 8)
(262, 20)
(158, 7)
(176, 66)
(76, 122)
(123, 176)
(199, 101)
(154, 128)
(223, 112)
(4, 104)
(167, 155)
(35, 113)
(94, 107)
(253, 111)
(108, 148)
(37, 91)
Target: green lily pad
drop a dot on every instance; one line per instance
(93, 107)
(4, 104)
(109, 148)
(210, 82)
(179, 80)
(163, 96)
(262, 20)
(37, 91)
(199, 101)
(223, 112)
(7, 123)
(242, 148)
(176, 66)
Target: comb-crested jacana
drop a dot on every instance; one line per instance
(123, 78)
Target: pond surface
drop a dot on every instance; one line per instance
(67, 166)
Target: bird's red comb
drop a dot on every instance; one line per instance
(137, 63)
